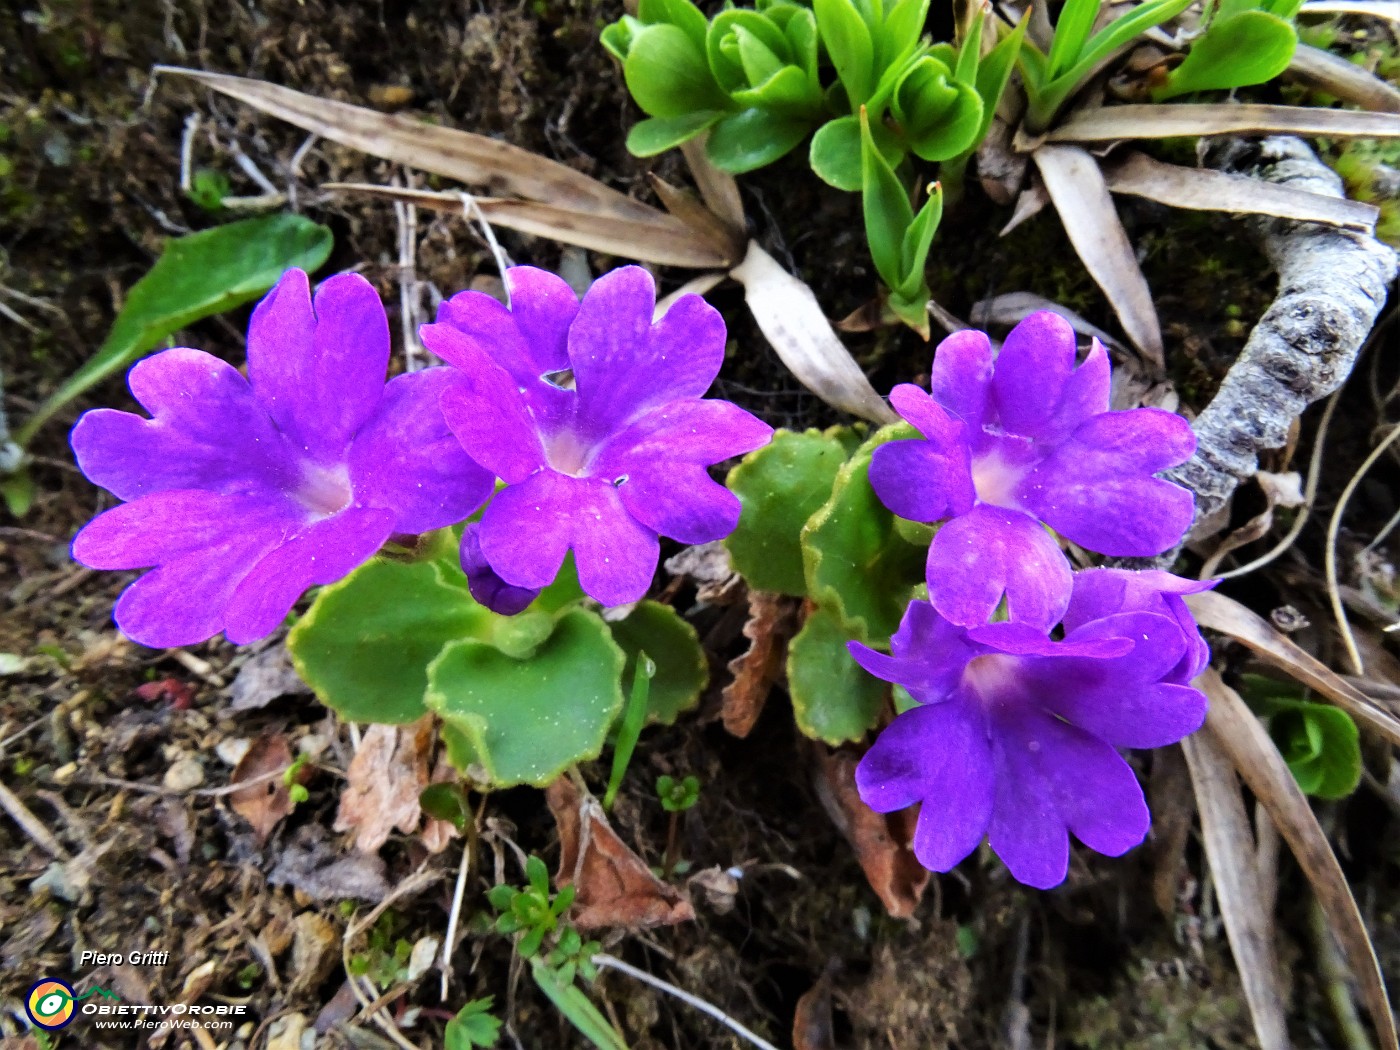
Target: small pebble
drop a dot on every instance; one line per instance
(232, 749)
(184, 775)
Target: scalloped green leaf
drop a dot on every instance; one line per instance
(365, 644)
(858, 565)
(833, 699)
(780, 486)
(682, 671)
(526, 721)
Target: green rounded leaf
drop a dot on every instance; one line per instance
(366, 642)
(1321, 745)
(751, 139)
(744, 49)
(780, 486)
(668, 75)
(835, 154)
(658, 134)
(1237, 51)
(682, 671)
(847, 39)
(941, 116)
(858, 567)
(833, 698)
(526, 721)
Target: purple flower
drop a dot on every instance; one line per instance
(243, 493)
(1014, 736)
(593, 417)
(1025, 439)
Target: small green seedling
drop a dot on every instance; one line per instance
(474, 1026)
(676, 796)
(291, 778)
(531, 912)
(634, 717)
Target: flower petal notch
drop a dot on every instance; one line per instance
(1010, 445)
(243, 493)
(1014, 734)
(594, 417)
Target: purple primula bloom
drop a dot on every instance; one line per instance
(1014, 736)
(243, 493)
(594, 418)
(1023, 439)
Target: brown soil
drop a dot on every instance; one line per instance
(93, 152)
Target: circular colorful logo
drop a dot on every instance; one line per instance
(50, 1004)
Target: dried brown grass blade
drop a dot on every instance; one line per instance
(790, 317)
(689, 209)
(1241, 736)
(558, 202)
(1206, 190)
(1346, 80)
(660, 238)
(1079, 193)
(717, 188)
(1216, 612)
(474, 159)
(1174, 120)
(1228, 840)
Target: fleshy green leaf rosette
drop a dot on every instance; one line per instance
(522, 697)
(812, 527)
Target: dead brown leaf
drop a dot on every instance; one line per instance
(791, 319)
(266, 676)
(771, 624)
(1216, 612)
(614, 886)
(385, 778)
(1229, 846)
(263, 804)
(812, 1026)
(1244, 739)
(1189, 120)
(881, 840)
(1203, 189)
(1077, 189)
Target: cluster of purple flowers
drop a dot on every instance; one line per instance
(1028, 676)
(581, 426)
(241, 493)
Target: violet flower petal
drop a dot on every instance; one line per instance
(319, 374)
(485, 409)
(182, 602)
(617, 557)
(485, 585)
(682, 501)
(939, 755)
(1102, 592)
(928, 657)
(407, 458)
(691, 430)
(528, 528)
(989, 552)
(320, 553)
(1098, 490)
(209, 432)
(1031, 371)
(922, 480)
(961, 377)
(624, 366)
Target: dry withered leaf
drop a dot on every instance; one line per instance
(266, 676)
(812, 1026)
(881, 840)
(1076, 186)
(1229, 846)
(263, 803)
(771, 624)
(386, 776)
(1242, 737)
(614, 885)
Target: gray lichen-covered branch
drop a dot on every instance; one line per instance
(1332, 285)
